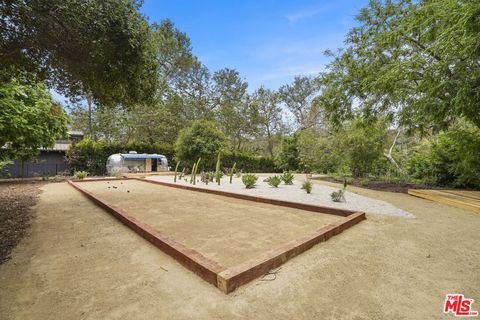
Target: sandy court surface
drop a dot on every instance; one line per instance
(226, 230)
(78, 262)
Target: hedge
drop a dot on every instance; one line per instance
(91, 156)
(249, 162)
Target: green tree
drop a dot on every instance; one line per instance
(317, 151)
(235, 113)
(101, 49)
(287, 157)
(29, 120)
(415, 61)
(360, 144)
(201, 140)
(298, 98)
(268, 116)
(449, 158)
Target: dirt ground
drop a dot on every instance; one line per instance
(16, 198)
(226, 230)
(381, 185)
(78, 262)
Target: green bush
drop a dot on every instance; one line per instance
(287, 177)
(451, 159)
(307, 186)
(248, 162)
(201, 140)
(274, 181)
(249, 180)
(317, 152)
(361, 145)
(91, 156)
(338, 196)
(80, 175)
(287, 158)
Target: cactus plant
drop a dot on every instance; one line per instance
(217, 169)
(194, 173)
(176, 169)
(232, 171)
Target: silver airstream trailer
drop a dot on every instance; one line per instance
(136, 162)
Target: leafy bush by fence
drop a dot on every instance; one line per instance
(91, 156)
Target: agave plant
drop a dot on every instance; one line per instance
(287, 177)
(249, 180)
(307, 186)
(274, 181)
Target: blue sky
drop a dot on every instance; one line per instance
(268, 42)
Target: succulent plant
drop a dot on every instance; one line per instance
(287, 177)
(274, 181)
(249, 180)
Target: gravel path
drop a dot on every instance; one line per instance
(320, 195)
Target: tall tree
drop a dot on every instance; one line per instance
(235, 113)
(414, 61)
(100, 48)
(298, 98)
(269, 116)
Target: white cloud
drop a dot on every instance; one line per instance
(305, 13)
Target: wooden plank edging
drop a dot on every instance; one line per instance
(232, 278)
(206, 268)
(283, 203)
(227, 280)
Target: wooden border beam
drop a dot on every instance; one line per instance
(227, 280)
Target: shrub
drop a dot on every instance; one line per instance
(307, 186)
(450, 159)
(274, 181)
(361, 144)
(207, 177)
(248, 162)
(338, 196)
(364, 182)
(287, 158)
(287, 177)
(201, 140)
(81, 175)
(317, 151)
(249, 180)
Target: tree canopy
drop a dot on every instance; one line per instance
(98, 48)
(201, 140)
(414, 61)
(29, 120)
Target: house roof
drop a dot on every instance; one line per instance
(142, 156)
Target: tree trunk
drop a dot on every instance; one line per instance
(90, 126)
(389, 154)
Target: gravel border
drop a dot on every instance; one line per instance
(320, 195)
